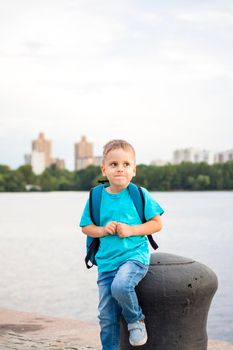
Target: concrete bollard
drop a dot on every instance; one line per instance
(175, 297)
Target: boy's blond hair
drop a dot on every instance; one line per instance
(116, 144)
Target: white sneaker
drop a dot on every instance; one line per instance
(137, 333)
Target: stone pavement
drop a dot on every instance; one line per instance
(24, 331)
(27, 331)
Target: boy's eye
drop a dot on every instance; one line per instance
(113, 164)
(126, 164)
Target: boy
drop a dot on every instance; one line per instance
(123, 255)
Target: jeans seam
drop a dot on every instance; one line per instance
(131, 298)
(115, 329)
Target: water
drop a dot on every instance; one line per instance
(42, 251)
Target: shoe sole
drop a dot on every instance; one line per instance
(142, 342)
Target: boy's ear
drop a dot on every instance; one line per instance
(134, 171)
(103, 170)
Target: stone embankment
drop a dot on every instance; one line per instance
(24, 331)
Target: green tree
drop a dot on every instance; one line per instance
(83, 179)
(202, 182)
(227, 170)
(2, 183)
(55, 179)
(47, 182)
(185, 170)
(216, 177)
(13, 182)
(4, 169)
(191, 182)
(26, 174)
(141, 178)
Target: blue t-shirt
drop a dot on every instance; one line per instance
(113, 250)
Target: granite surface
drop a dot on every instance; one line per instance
(24, 331)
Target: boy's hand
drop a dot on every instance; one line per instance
(124, 230)
(110, 228)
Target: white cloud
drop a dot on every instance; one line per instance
(207, 16)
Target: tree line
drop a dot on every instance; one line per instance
(185, 176)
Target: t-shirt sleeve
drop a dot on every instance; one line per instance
(152, 207)
(86, 218)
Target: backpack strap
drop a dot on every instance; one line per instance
(139, 203)
(153, 244)
(93, 246)
(94, 203)
(95, 196)
(138, 199)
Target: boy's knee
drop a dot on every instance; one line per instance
(118, 290)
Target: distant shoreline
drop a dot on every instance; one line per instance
(185, 176)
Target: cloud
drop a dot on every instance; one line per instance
(32, 48)
(86, 87)
(207, 16)
(99, 67)
(192, 63)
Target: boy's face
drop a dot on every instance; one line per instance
(119, 167)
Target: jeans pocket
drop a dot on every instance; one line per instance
(143, 268)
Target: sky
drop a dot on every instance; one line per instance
(156, 73)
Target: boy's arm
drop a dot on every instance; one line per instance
(100, 231)
(151, 226)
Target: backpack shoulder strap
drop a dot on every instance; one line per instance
(92, 244)
(139, 203)
(94, 203)
(138, 199)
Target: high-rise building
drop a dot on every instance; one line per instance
(193, 155)
(83, 153)
(40, 157)
(44, 146)
(38, 162)
(224, 156)
(59, 163)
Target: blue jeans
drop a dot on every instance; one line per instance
(117, 297)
